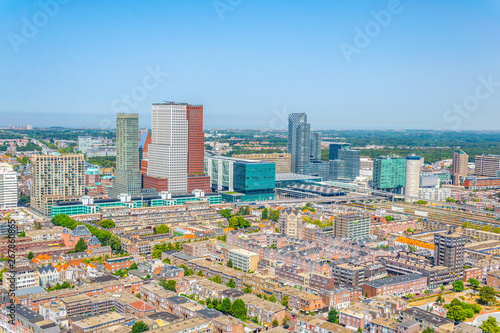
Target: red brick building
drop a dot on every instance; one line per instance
(116, 264)
(196, 150)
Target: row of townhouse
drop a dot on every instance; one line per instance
(129, 284)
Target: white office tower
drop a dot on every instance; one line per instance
(8, 187)
(412, 183)
(168, 150)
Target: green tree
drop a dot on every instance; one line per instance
(440, 299)
(80, 245)
(389, 218)
(264, 214)
(162, 229)
(229, 263)
(107, 224)
(225, 306)
(274, 215)
(170, 285)
(226, 213)
(1, 273)
(216, 279)
(115, 242)
(231, 284)
(486, 294)
(238, 309)
(473, 282)
(30, 255)
(139, 327)
(456, 313)
(469, 313)
(490, 325)
(200, 273)
(442, 288)
(333, 316)
(284, 301)
(486, 228)
(428, 330)
(458, 285)
(272, 298)
(247, 289)
(275, 323)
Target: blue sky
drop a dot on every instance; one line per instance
(250, 62)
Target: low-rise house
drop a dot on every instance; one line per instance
(427, 319)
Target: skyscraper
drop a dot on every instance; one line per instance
(56, 178)
(299, 141)
(315, 146)
(389, 173)
(351, 160)
(176, 154)
(412, 181)
(335, 147)
(459, 167)
(128, 175)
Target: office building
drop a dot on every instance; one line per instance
(56, 178)
(350, 163)
(412, 181)
(335, 147)
(449, 252)
(487, 165)
(128, 176)
(84, 143)
(241, 180)
(459, 166)
(176, 153)
(282, 161)
(8, 187)
(244, 260)
(299, 137)
(353, 226)
(389, 173)
(315, 146)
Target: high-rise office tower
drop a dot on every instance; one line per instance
(315, 146)
(487, 165)
(8, 187)
(197, 179)
(56, 178)
(351, 160)
(335, 147)
(449, 252)
(176, 154)
(459, 167)
(412, 182)
(299, 138)
(389, 173)
(128, 175)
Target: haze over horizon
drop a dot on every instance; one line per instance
(348, 65)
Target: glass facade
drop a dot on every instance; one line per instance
(253, 177)
(389, 173)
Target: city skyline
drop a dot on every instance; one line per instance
(252, 73)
